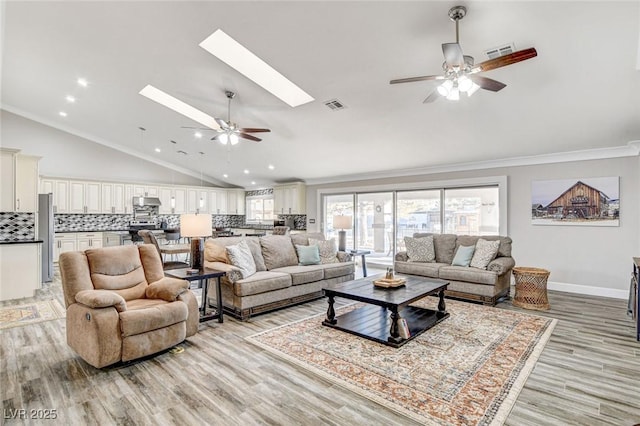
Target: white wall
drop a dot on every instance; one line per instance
(589, 259)
(67, 155)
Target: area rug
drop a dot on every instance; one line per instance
(31, 313)
(467, 370)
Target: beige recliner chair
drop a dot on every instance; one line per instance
(120, 306)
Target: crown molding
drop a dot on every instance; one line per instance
(100, 141)
(631, 149)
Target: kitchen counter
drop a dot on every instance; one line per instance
(22, 242)
(91, 230)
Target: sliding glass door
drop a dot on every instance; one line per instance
(374, 225)
(417, 211)
(337, 205)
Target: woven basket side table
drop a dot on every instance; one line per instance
(531, 288)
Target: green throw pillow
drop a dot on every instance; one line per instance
(308, 255)
(463, 256)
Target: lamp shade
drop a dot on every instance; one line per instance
(195, 225)
(342, 222)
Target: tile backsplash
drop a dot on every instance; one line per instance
(17, 226)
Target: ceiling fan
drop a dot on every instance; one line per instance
(229, 131)
(460, 73)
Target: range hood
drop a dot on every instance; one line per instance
(146, 201)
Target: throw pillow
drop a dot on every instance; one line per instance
(256, 251)
(328, 250)
(278, 251)
(214, 252)
(463, 256)
(240, 256)
(485, 252)
(420, 249)
(308, 255)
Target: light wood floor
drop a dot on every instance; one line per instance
(588, 374)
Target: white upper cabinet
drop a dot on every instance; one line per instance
(290, 199)
(197, 200)
(85, 197)
(113, 198)
(19, 183)
(235, 201)
(217, 201)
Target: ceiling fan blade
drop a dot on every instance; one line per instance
(412, 79)
(487, 83)
(433, 96)
(453, 54)
(223, 124)
(248, 136)
(215, 138)
(253, 130)
(512, 58)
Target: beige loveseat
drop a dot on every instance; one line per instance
(279, 281)
(120, 306)
(485, 285)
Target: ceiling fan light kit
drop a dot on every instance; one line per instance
(460, 74)
(229, 132)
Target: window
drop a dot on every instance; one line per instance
(471, 211)
(259, 209)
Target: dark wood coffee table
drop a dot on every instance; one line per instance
(379, 319)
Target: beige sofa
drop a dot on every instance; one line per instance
(470, 283)
(280, 281)
(120, 306)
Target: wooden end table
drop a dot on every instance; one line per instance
(362, 254)
(203, 275)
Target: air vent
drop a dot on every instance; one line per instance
(182, 152)
(500, 51)
(335, 105)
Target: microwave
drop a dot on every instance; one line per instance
(279, 222)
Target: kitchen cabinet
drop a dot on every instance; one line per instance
(179, 196)
(63, 242)
(20, 275)
(217, 201)
(194, 196)
(60, 191)
(84, 197)
(113, 200)
(19, 186)
(235, 201)
(290, 199)
(165, 194)
(145, 191)
(89, 240)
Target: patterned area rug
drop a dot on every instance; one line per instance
(467, 370)
(19, 315)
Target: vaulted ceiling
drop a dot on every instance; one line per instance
(581, 92)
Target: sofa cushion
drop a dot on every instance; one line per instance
(241, 257)
(256, 252)
(484, 253)
(335, 270)
(420, 249)
(308, 255)
(463, 256)
(278, 251)
(328, 250)
(214, 252)
(445, 245)
(473, 275)
(424, 269)
(145, 316)
(302, 239)
(303, 274)
(261, 282)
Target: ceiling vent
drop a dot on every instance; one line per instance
(500, 51)
(335, 105)
(181, 152)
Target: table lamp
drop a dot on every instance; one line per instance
(196, 227)
(342, 222)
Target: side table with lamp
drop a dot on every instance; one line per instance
(196, 227)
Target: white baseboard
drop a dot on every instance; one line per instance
(589, 290)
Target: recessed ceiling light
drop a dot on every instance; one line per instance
(83, 82)
(62, 114)
(197, 135)
(271, 167)
(255, 69)
(178, 106)
(225, 175)
(158, 150)
(246, 172)
(253, 182)
(70, 99)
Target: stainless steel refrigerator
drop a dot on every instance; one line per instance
(46, 234)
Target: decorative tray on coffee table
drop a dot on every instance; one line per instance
(390, 282)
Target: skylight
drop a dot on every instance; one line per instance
(245, 62)
(178, 106)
